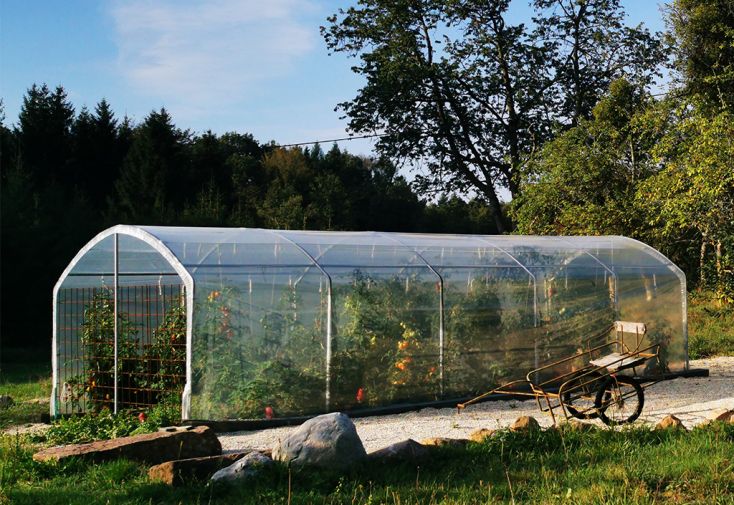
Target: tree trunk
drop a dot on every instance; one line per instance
(719, 273)
(496, 205)
(702, 263)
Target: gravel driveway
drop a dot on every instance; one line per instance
(691, 400)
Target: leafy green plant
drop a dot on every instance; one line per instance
(239, 373)
(386, 340)
(106, 425)
(94, 387)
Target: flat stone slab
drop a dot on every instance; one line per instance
(152, 448)
(180, 471)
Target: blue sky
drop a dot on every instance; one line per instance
(251, 66)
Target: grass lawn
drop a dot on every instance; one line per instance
(25, 375)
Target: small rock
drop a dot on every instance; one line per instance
(181, 471)
(525, 423)
(249, 466)
(407, 450)
(6, 401)
(670, 422)
(327, 441)
(724, 415)
(576, 425)
(444, 442)
(480, 435)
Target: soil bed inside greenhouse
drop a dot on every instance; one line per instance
(690, 399)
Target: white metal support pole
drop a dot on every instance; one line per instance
(441, 334)
(328, 345)
(115, 312)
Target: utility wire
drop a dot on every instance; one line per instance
(380, 135)
(372, 135)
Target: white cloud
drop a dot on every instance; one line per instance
(198, 55)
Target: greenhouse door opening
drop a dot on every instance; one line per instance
(121, 318)
(150, 354)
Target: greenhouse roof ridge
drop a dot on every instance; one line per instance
(188, 249)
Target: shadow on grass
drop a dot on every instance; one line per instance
(18, 366)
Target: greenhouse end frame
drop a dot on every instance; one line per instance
(379, 319)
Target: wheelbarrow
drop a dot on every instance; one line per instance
(597, 389)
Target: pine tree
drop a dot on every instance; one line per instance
(44, 133)
(153, 183)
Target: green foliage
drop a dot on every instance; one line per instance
(661, 172)
(584, 181)
(387, 345)
(106, 425)
(168, 352)
(703, 42)
(693, 194)
(474, 327)
(238, 373)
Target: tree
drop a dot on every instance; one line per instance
(153, 182)
(284, 202)
(584, 181)
(458, 109)
(588, 46)
(693, 194)
(703, 41)
(44, 133)
(468, 95)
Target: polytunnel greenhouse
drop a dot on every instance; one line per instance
(238, 323)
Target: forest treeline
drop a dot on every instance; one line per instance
(69, 174)
(559, 116)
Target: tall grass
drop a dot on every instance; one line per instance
(710, 326)
(27, 379)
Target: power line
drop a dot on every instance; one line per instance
(380, 135)
(372, 135)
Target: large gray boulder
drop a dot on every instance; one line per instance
(248, 466)
(327, 441)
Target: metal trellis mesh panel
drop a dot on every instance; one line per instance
(151, 350)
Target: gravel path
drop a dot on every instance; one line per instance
(691, 400)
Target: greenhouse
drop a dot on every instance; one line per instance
(236, 323)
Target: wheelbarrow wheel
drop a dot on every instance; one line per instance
(619, 400)
(579, 395)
